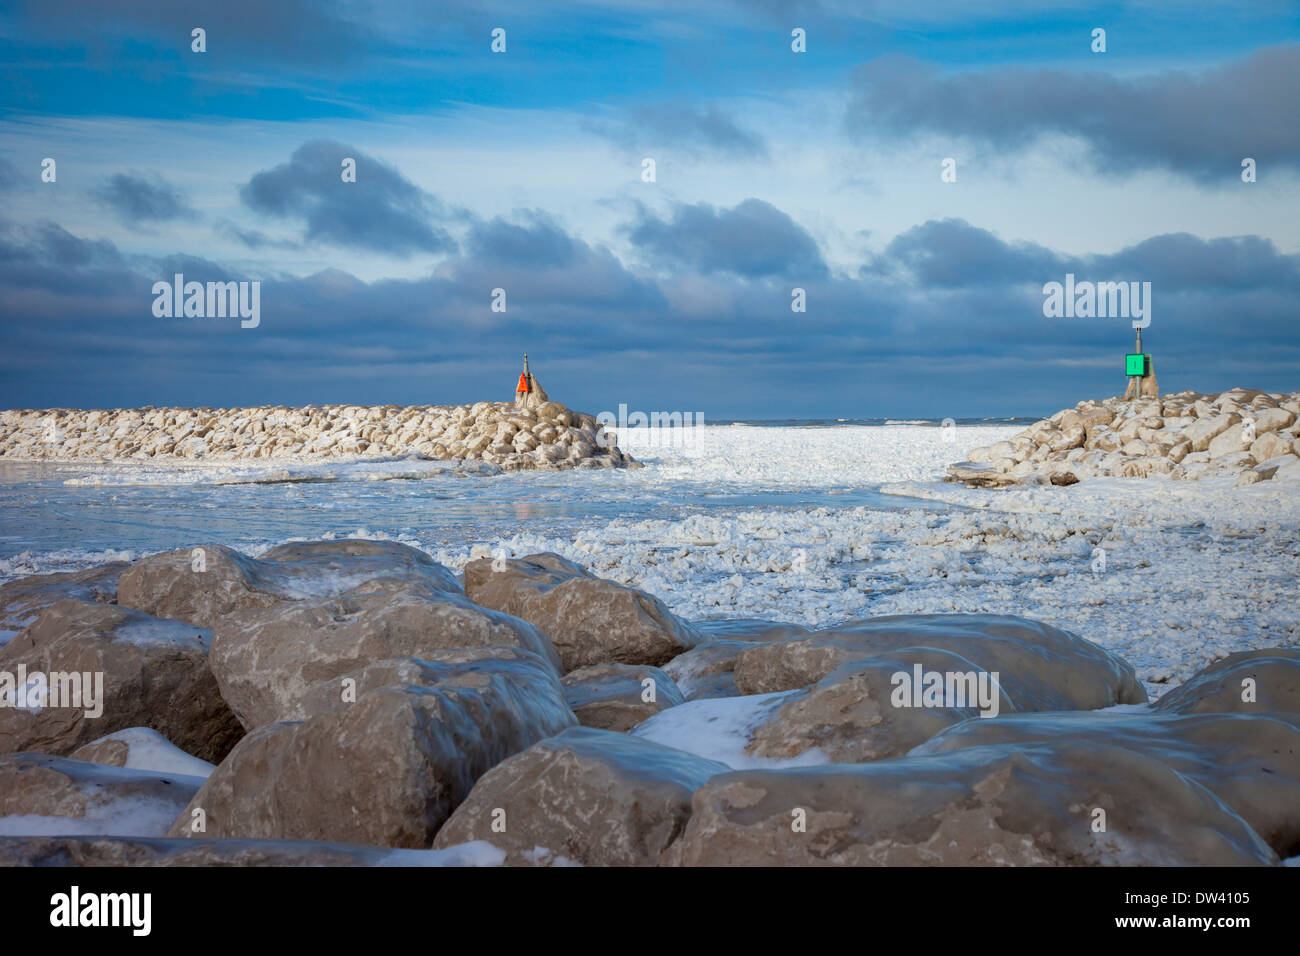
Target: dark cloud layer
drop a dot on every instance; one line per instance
(946, 313)
(382, 211)
(753, 239)
(1200, 124)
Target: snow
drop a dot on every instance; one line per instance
(149, 750)
(474, 853)
(720, 728)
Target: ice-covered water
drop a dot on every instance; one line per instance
(806, 524)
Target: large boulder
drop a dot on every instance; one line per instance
(1205, 430)
(998, 805)
(266, 658)
(385, 765)
(866, 709)
(861, 712)
(596, 797)
(154, 671)
(23, 599)
(41, 794)
(205, 583)
(1252, 763)
(1249, 682)
(590, 620)
(618, 696)
(1039, 666)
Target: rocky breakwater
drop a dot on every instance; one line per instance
(1247, 435)
(356, 703)
(511, 436)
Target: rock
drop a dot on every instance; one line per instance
(1072, 437)
(41, 794)
(389, 768)
(1207, 429)
(139, 748)
(1229, 442)
(266, 658)
(982, 477)
(1064, 478)
(1001, 805)
(706, 671)
(23, 599)
(614, 696)
(594, 796)
(155, 674)
(313, 433)
(1251, 763)
(1274, 419)
(204, 584)
(590, 620)
(855, 713)
(1041, 667)
(120, 851)
(1274, 674)
(1271, 445)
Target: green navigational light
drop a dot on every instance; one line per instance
(1135, 364)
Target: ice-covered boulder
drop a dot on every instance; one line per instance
(707, 670)
(155, 673)
(387, 768)
(45, 795)
(1249, 682)
(589, 619)
(985, 806)
(597, 797)
(23, 599)
(1252, 763)
(265, 659)
(1040, 666)
(618, 696)
(204, 583)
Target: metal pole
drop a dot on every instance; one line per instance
(1137, 379)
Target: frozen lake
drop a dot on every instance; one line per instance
(810, 524)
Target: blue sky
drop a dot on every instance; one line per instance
(521, 170)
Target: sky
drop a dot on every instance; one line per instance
(919, 170)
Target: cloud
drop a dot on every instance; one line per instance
(141, 198)
(538, 243)
(951, 253)
(694, 130)
(74, 312)
(1199, 124)
(382, 211)
(754, 239)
